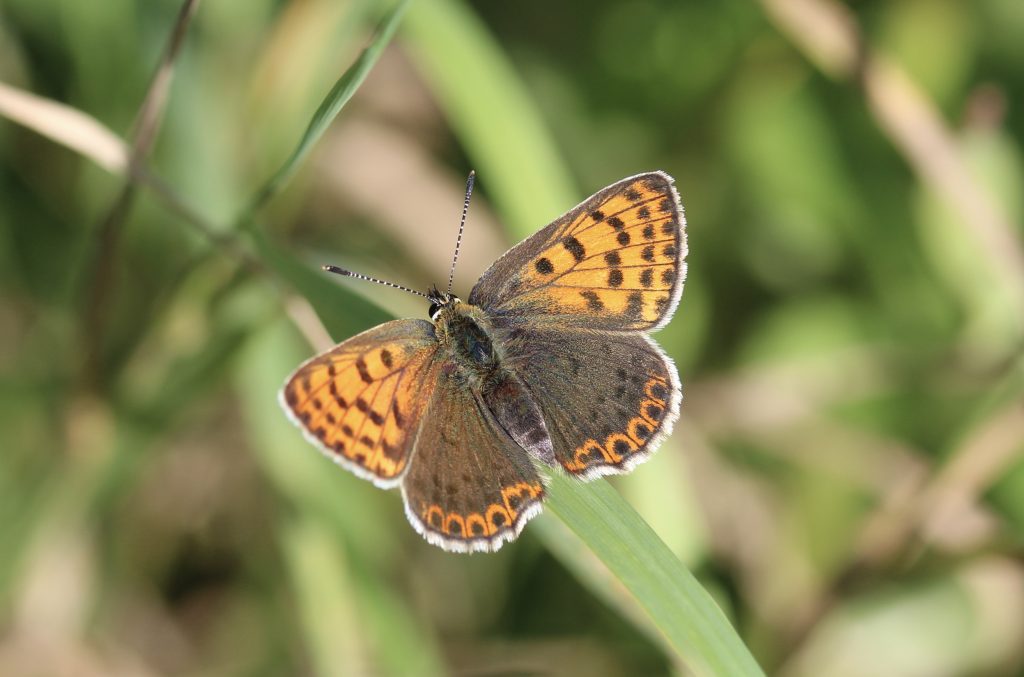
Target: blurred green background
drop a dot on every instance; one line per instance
(847, 477)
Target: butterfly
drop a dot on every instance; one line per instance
(547, 363)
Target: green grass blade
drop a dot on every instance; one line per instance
(514, 155)
(342, 312)
(326, 603)
(343, 90)
(691, 621)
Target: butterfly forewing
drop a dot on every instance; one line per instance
(615, 262)
(361, 403)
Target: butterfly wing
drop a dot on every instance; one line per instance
(470, 487)
(608, 398)
(615, 262)
(361, 403)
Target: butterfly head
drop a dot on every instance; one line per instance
(439, 301)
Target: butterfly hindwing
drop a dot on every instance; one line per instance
(470, 487)
(614, 262)
(361, 403)
(608, 399)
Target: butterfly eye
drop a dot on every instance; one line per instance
(435, 308)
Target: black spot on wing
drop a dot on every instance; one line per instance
(594, 302)
(653, 411)
(575, 247)
(364, 373)
(635, 306)
(655, 184)
(391, 451)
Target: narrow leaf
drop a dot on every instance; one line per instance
(67, 126)
(343, 90)
(690, 619)
(513, 152)
(342, 312)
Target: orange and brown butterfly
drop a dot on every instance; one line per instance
(548, 363)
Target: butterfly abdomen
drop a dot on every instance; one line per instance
(519, 415)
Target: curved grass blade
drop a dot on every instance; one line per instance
(484, 100)
(322, 583)
(689, 618)
(343, 90)
(342, 312)
(504, 134)
(67, 126)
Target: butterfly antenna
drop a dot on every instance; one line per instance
(462, 224)
(359, 276)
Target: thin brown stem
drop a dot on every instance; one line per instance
(104, 258)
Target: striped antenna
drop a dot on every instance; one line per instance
(462, 224)
(359, 276)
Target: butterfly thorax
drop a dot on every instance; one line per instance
(464, 332)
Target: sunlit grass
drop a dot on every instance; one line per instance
(849, 342)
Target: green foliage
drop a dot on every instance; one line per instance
(846, 480)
